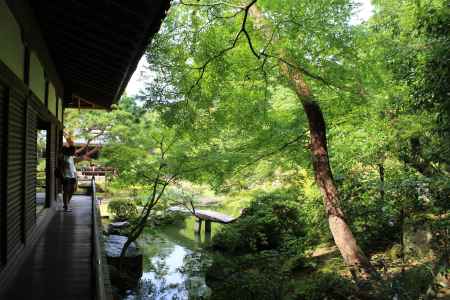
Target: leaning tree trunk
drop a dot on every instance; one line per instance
(358, 263)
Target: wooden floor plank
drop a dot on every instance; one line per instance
(60, 264)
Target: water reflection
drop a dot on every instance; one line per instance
(174, 266)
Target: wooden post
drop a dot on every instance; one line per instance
(207, 230)
(198, 238)
(198, 226)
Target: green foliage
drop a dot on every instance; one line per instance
(237, 107)
(411, 284)
(272, 222)
(123, 209)
(324, 286)
(260, 250)
(256, 276)
(417, 56)
(374, 220)
(216, 113)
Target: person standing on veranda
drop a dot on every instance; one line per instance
(69, 171)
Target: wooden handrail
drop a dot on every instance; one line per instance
(99, 265)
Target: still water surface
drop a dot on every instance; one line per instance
(174, 263)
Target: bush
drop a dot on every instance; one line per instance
(324, 286)
(374, 221)
(123, 209)
(252, 276)
(171, 217)
(272, 222)
(259, 252)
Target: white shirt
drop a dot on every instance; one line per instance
(69, 167)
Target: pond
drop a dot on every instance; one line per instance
(175, 261)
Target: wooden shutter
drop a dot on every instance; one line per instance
(15, 180)
(51, 164)
(30, 166)
(3, 153)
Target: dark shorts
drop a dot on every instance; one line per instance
(69, 185)
(69, 181)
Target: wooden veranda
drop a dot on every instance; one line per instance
(56, 55)
(67, 261)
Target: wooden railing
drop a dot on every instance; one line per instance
(101, 280)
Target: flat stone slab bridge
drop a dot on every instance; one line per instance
(213, 216)
(208, 216)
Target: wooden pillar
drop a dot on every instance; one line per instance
(208, 226)
(207, 230)
(198, 226)
(198, 238)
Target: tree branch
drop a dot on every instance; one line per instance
(300, 68)
(219, 3)
(242, 30)
(265, 155)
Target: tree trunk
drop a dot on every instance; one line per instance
(381, 173)
(355, 259)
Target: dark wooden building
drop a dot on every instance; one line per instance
(55, 55)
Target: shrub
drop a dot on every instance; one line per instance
(260, 251)
(374, 221)
(252, 276)
(320, 286)
(123, 208)
(272, 222)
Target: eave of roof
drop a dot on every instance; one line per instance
(96, 45)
